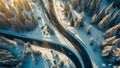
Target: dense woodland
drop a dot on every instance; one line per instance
(18, 17)
(105, 19)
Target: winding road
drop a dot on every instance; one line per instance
(57, 47)
(79, 45)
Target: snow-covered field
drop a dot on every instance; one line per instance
(32, 56)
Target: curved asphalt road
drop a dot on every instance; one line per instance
(74, 41)
(77, 44)
(45, 44)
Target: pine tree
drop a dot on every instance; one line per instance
(66, 9)
(76, 24)
(92, 7)
(2, 5)
(97, 9)
(113, 20)
(106, 51)
(89, 29)
(94, 19)
(116, 42)
(73, 4)
(108, 41)
(114, 17)
(71, 22)
(69, 15)
(110, 32)
(103, 22)
(26, 5)
(4, 22)
(98, 4)
(116, 3)
(101, 14)
(91, 41)
(109, 8)
(82, 16)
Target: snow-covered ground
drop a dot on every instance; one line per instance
(38, 34)
(32, 56)
(94, 51)
(47, 57)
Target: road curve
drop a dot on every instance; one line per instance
(74, 41)
(57, 47)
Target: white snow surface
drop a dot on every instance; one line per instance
(94, 51)
(81, 34)
(38, 33)
(44, 60)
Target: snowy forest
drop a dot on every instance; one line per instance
(59, 33)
